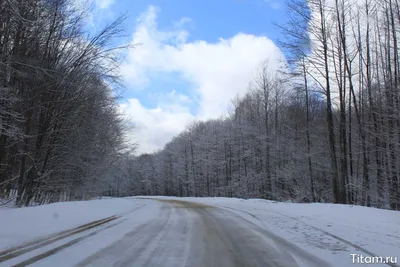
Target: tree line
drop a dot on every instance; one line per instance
(60, 129)
(323, 128)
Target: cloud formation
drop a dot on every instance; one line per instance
(216, 71)
(104, 4)
(154, 127)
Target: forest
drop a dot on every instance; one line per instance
(321, 126)
(60, 129)
(324, 126)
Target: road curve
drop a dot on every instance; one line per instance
(196, 235)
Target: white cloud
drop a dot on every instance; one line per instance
(217, 71)
(171, 101)
(155, 127)
(93, 9)
(104, 4)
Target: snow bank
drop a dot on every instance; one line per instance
(25, 224)
(332, 232)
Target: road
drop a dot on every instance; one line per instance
(196, 235)
(167, 233)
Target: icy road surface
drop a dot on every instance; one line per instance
(190, 234)
(202, 232)
(175, 233)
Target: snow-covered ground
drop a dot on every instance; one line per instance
(331, 232)
(20, 225)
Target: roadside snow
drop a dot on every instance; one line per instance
(21, 225)
(330, 231)
(137, 214)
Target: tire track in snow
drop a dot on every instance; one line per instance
(130, 246)
(18, 251)
(315, 228)
(25, 248)
(66, 245)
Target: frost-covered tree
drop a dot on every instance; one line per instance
(60, 130)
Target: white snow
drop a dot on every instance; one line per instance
(329, 231)
(21, 225)
(136, 212)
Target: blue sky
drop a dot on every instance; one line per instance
(190, 58)
(211, 19)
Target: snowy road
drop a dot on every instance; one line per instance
(166, 233)
(198, 232)
(189, 234)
